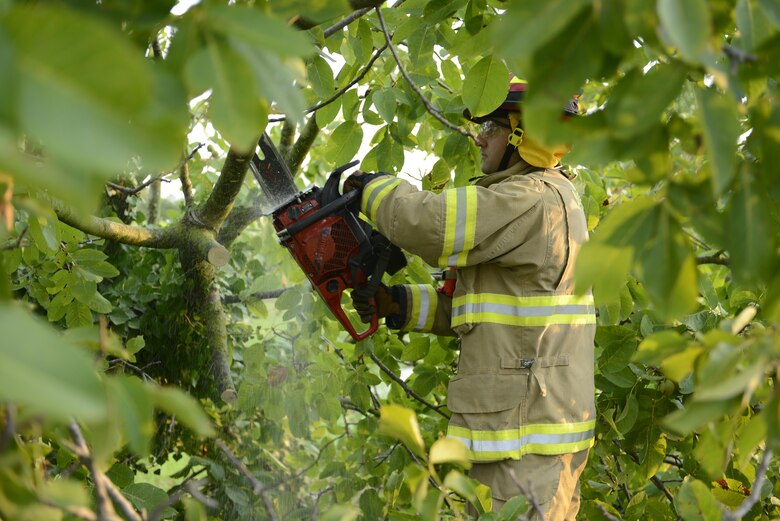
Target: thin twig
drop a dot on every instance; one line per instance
(527, 493)
(755, 491)
(333, 29)
(260, 295)
(188, 487)
(10, 426)
(409, 390)
(430, 108)
(105, 509)
(351, 83)
(18, 243)
(257, 486)
(655, 480)
(134, 190)
(607, 514)
(314, 509)
(127, 508)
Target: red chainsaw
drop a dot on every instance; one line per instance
(332, 245)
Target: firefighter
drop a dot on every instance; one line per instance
(523, 398)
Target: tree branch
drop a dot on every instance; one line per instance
(718, 258)
(287, 137)
(188, 487)
(186, 184)
(216, 209)
(350, 84)
(153, 210)
(430, 108)
(257, 487)
(260, 295)
(216, 337)
(105, 510)
(755, 491)
(409, 391)
(302, 145)
(240, 217)
(123, 233)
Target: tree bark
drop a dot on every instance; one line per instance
(154, 202)
(220, 202)
(302, 146)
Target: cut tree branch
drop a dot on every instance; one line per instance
(409, 391)
(430, 108)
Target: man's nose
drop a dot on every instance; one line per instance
(480, 141)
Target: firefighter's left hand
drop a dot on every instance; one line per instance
(359, 180)
(384, 303)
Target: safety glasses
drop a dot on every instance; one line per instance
(489, 127)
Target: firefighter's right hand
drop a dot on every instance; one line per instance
(384, 303)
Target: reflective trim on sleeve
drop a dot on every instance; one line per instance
(374, 192)
(523, 311)
(547, 439)
(460, 225)
(424, 305)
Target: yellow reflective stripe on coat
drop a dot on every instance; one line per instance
(374, 192)
(548, 439)
(424, 304)
(460, 226)
(523, 311)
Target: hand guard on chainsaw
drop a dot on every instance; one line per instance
(385, 302)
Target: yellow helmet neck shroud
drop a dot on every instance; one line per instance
(533, 152)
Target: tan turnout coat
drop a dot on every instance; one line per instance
(525, 374)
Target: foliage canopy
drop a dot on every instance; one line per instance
(161, 356)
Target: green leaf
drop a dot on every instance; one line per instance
(103, 82)
(618, 344)
(771, 10)
(695, 502)
(385, 102)
(688, 25)
(694, 414)
(256, 28)
(99, 304)
(678, 365)
(485, 86)
(344, 143)
(416, 349)
(449, 450)
(144, 496)
(78, 315)
(526, 26)
(751, 233)
(401, 424)
(131, 403)
(42, 372)
(720, 127)
(45, 234)
(657, 347)
(639, 98)
(321, 77)
(668, 268)
(187, 410)
(135, 344)
(235, 109)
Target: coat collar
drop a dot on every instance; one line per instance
(521, 168)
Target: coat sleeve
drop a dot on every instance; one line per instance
(422, 309)
(456, 227)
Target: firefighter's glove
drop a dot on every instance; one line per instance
(385, 303)
(358, 181)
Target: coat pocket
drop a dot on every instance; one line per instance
(486, 393)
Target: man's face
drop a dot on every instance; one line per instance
(492, 140)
